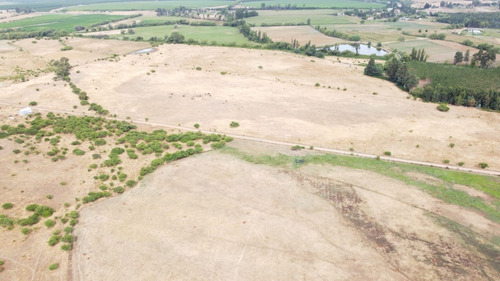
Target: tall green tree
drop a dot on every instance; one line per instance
(372, 69)
(459, 57)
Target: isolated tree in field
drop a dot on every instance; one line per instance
(372, 69)
(467, 56)
(175, 38)
(459, 57)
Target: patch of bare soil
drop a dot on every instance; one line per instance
(303, 34)
(216, 217)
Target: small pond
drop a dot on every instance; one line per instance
(144, 51)
(362, 49)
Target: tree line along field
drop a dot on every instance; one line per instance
(151, 5)
(59, 22)
(311, 4)
(294, 17)
(219, 34)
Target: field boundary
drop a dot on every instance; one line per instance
(285, 143)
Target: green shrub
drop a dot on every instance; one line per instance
(78, 151)
(461, 164)
(73, 214)
(68, 229)
(66, 247)
(33, 103)
(54, 240)
(119, 189)
(131, 183)
(93, 166)
(218, 145)
(234, 124)
(7, 206)
(16, 151)
(6, 222)
(54, 266)
(76, 143)
(103, 177)
(100, 142)
(93, 196)
(49, 223)
(387, 153)
(122, 177)
(1, 262)
(68, 238)
(297, 147)
(25, 231)
(196, 125)
(443, 107)
(483, 165)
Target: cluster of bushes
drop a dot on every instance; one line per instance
(98, 108)
(114, 157)
(93, 196)
(6, 222)
(169, 157)
(81, 94)
(38, 210)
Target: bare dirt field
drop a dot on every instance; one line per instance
(303, 34)
(273, 96)
(215, 217)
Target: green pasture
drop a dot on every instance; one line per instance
(150, 5)
(219, 34)
(313, 4)
(293, 17)
(59, 22)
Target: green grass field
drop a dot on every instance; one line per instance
(59, 22)
(284, 17)
(314, 4)
(46, 5)
(151, 5)
(219, 34)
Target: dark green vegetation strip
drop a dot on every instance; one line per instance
(457, 76)
(309, 4)
(443, 190)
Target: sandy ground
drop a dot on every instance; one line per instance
(303, 34)
(278, 101)
(238, 221)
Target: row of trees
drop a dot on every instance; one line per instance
(483, 59)
(483, 98)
